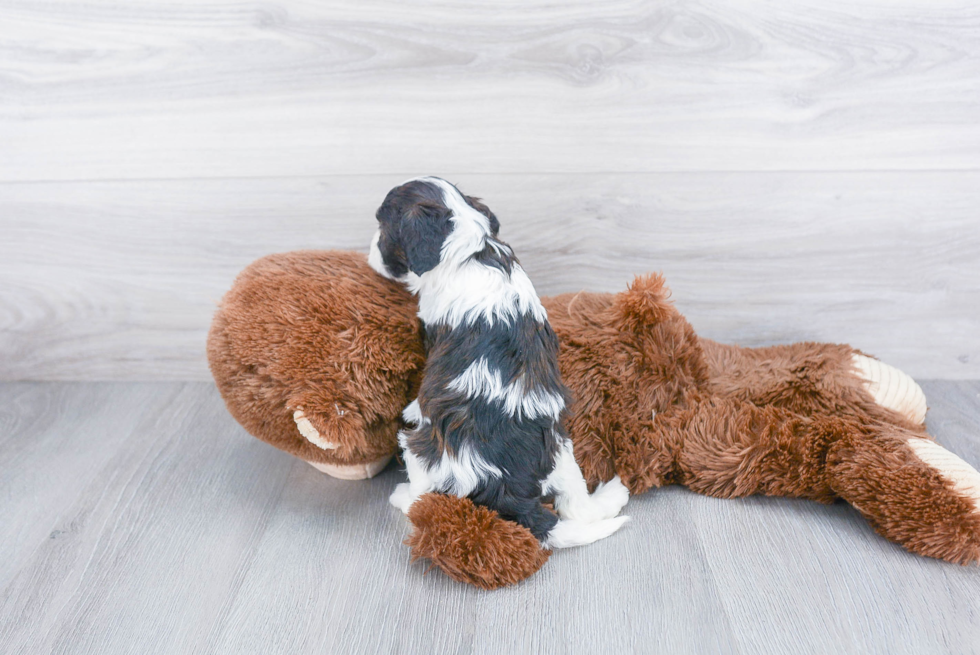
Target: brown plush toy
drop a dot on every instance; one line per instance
(316, 354)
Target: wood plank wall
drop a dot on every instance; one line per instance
(799, 170)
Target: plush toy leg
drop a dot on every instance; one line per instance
(815, 379)
(891, 388)
(728, 448)
(912, 491)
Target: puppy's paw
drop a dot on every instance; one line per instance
(568, 534)
(611, 497)
(402, 497)
(605, 502)
(310, 433)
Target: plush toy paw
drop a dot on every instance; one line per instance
(912, 491)
(892, 389)
(309, 432)
(964, 479)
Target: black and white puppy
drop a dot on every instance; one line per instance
(489, 414)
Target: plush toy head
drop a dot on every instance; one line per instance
(321, 334)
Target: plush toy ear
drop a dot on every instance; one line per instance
(483, 209)
(423, 231)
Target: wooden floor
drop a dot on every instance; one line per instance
(799, 170)
(140, 518)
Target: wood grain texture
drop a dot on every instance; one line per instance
(799, 170)
(141, 518)
(122, 90)
(119, 280)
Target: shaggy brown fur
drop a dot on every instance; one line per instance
(654, 403)
(471, 543)
(323, 332)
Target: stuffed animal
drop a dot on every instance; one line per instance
(317, 355)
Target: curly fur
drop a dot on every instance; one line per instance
(322, 332)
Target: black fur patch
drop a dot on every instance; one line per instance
(523, 448)
(497, 254)
(414, 224)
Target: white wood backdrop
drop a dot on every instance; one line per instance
(799, 170)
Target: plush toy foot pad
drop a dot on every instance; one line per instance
(893, 389)
(964, 478)
(352, 471)
(471, 543)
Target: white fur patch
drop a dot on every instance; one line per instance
(584, 518)
(568, 534)
(413, 413)
(572, 498)
(459, 290)
(965, 478)
(462, 474)
(456, 293)
(479, 380)
(458, 475)
(374, 256)
(470, 227)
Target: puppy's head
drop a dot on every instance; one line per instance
(425, 222)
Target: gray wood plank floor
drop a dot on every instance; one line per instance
(139, 518)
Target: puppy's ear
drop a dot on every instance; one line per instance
(483, 209)
(423, 230)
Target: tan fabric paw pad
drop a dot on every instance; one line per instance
(891, 388)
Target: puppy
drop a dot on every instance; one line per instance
(489, 415)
